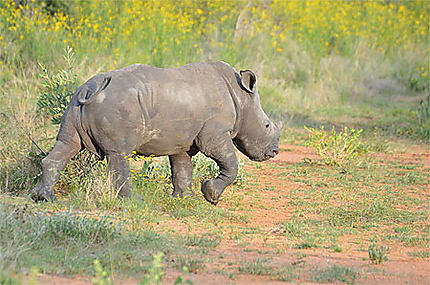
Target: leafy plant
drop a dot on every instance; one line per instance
(335, 148)
(58, 89)
(377, 255)
(155, 271)
(423, 118)
(419, 80)
(155, 275)
(102, 276)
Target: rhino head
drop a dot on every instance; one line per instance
(257, 136)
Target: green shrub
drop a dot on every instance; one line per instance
(377, 255)
(155, 275)
(335, 148)
(423, 117)
(101, 276)
(419, 80)
(204, 168)
(57, 89)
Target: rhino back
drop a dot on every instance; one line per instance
(156, 111)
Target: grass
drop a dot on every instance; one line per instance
(335, 273)
(207, 241)
(67, 243)
(193, 264)
(261, 267)
(420, 254)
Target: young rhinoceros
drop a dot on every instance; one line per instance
(206, 107)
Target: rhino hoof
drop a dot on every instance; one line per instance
(209, 192)
(42, 196)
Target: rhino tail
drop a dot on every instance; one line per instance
(86, 96)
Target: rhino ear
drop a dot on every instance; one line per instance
(248, 80)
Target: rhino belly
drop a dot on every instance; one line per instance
(168, 137)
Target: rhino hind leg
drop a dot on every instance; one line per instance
(52, 165)
(119, 169)
(182, 173)
(221, 150)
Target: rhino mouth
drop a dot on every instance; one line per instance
(269, 156)
(266, 154)
(264, 157)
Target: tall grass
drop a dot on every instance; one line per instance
(316, 61)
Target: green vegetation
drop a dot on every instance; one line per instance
(420, 254)
(377, 254)
(57, 89)
(101, 276)
(335, 148)
(335, 273)
(261, 267)
(72, 242)
(155, 272)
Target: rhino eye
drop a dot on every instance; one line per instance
(267, 125)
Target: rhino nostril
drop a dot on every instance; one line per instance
(275, 151)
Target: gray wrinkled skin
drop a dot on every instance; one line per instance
(206, 107)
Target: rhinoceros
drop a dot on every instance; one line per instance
(199, 107)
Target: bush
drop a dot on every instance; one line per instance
(423, 117)
(101, 276)
(377, 255)
(419, 80)
(335, 148)
(155, 271)
(58, 89)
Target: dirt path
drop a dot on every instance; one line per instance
(268, 204)
(399, 269)
(272, 208)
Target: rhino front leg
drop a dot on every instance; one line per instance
(182, 173)
(119, 170)
(222, 151)
(52, 165)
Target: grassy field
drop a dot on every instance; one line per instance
(360, 65)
